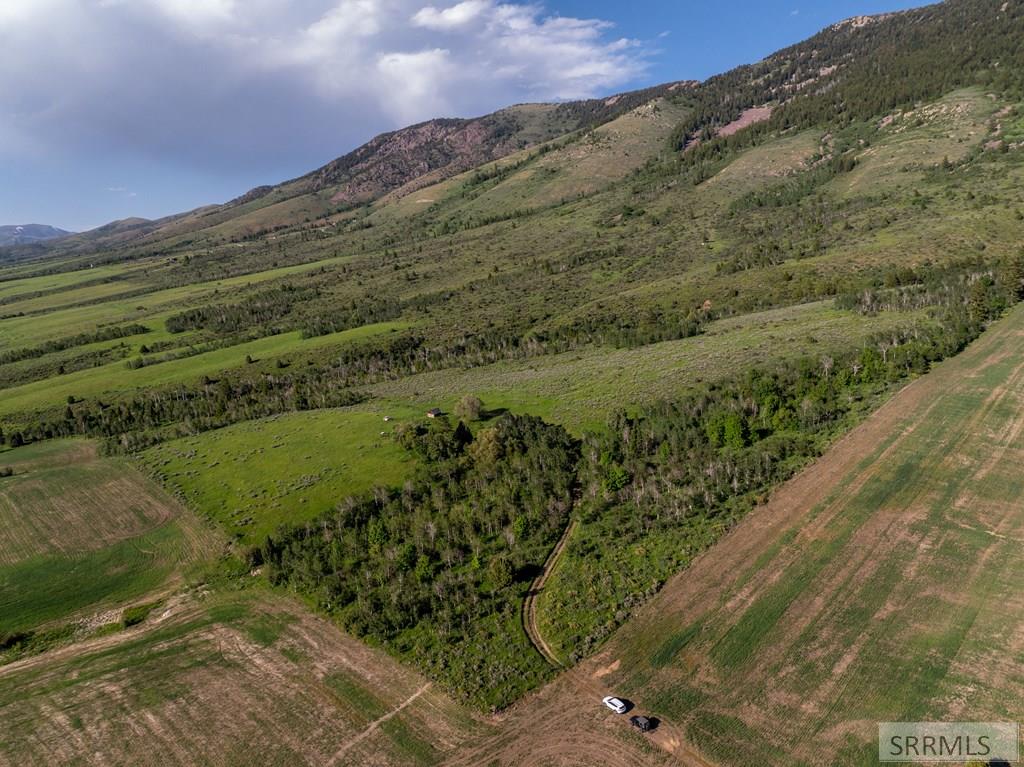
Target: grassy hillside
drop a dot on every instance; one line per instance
(579, 389)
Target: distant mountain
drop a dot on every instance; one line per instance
(397, 162)
(423, 154)
(26, 234)
(863, 68)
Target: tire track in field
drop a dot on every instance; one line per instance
(536, 588)
(372, 727)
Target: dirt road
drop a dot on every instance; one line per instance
(530, 603)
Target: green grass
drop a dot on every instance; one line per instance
(30, 330)
(73, 296)
(42, 589)
(364, 702)
(60, 281)
(253, 476)
(115, 378)
(671, 646)
(64, 501)
(79, 533)
(581, 389)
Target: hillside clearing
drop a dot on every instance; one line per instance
(580, 389)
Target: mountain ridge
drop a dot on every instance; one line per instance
(24, 234)
(825, 77)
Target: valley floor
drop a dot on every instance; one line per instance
(882, 583)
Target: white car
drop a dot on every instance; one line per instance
(615, 705)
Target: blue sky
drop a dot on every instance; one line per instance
(117, 108)
(706, 38)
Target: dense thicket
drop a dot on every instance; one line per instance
(260, 310)
(436, 571)
(353, 314)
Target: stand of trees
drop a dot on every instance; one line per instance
(437, 570)
(262, 309)
(61, 344)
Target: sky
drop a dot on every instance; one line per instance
(119, 108)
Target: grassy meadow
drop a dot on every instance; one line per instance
(581, 389)
(285, 469)
(115, 378)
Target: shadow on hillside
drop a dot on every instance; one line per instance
(528, 573)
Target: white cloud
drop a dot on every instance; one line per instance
(348, 19)
(413, 79)
(197, 12)
(450, 18)
(225, 83)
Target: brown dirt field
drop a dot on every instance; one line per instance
(69, 501)
(566, 725)
(226, 680)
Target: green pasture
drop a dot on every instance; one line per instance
(581, 389)
(29, 330)
(254, 476)
(117, 379)
(60, 281)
